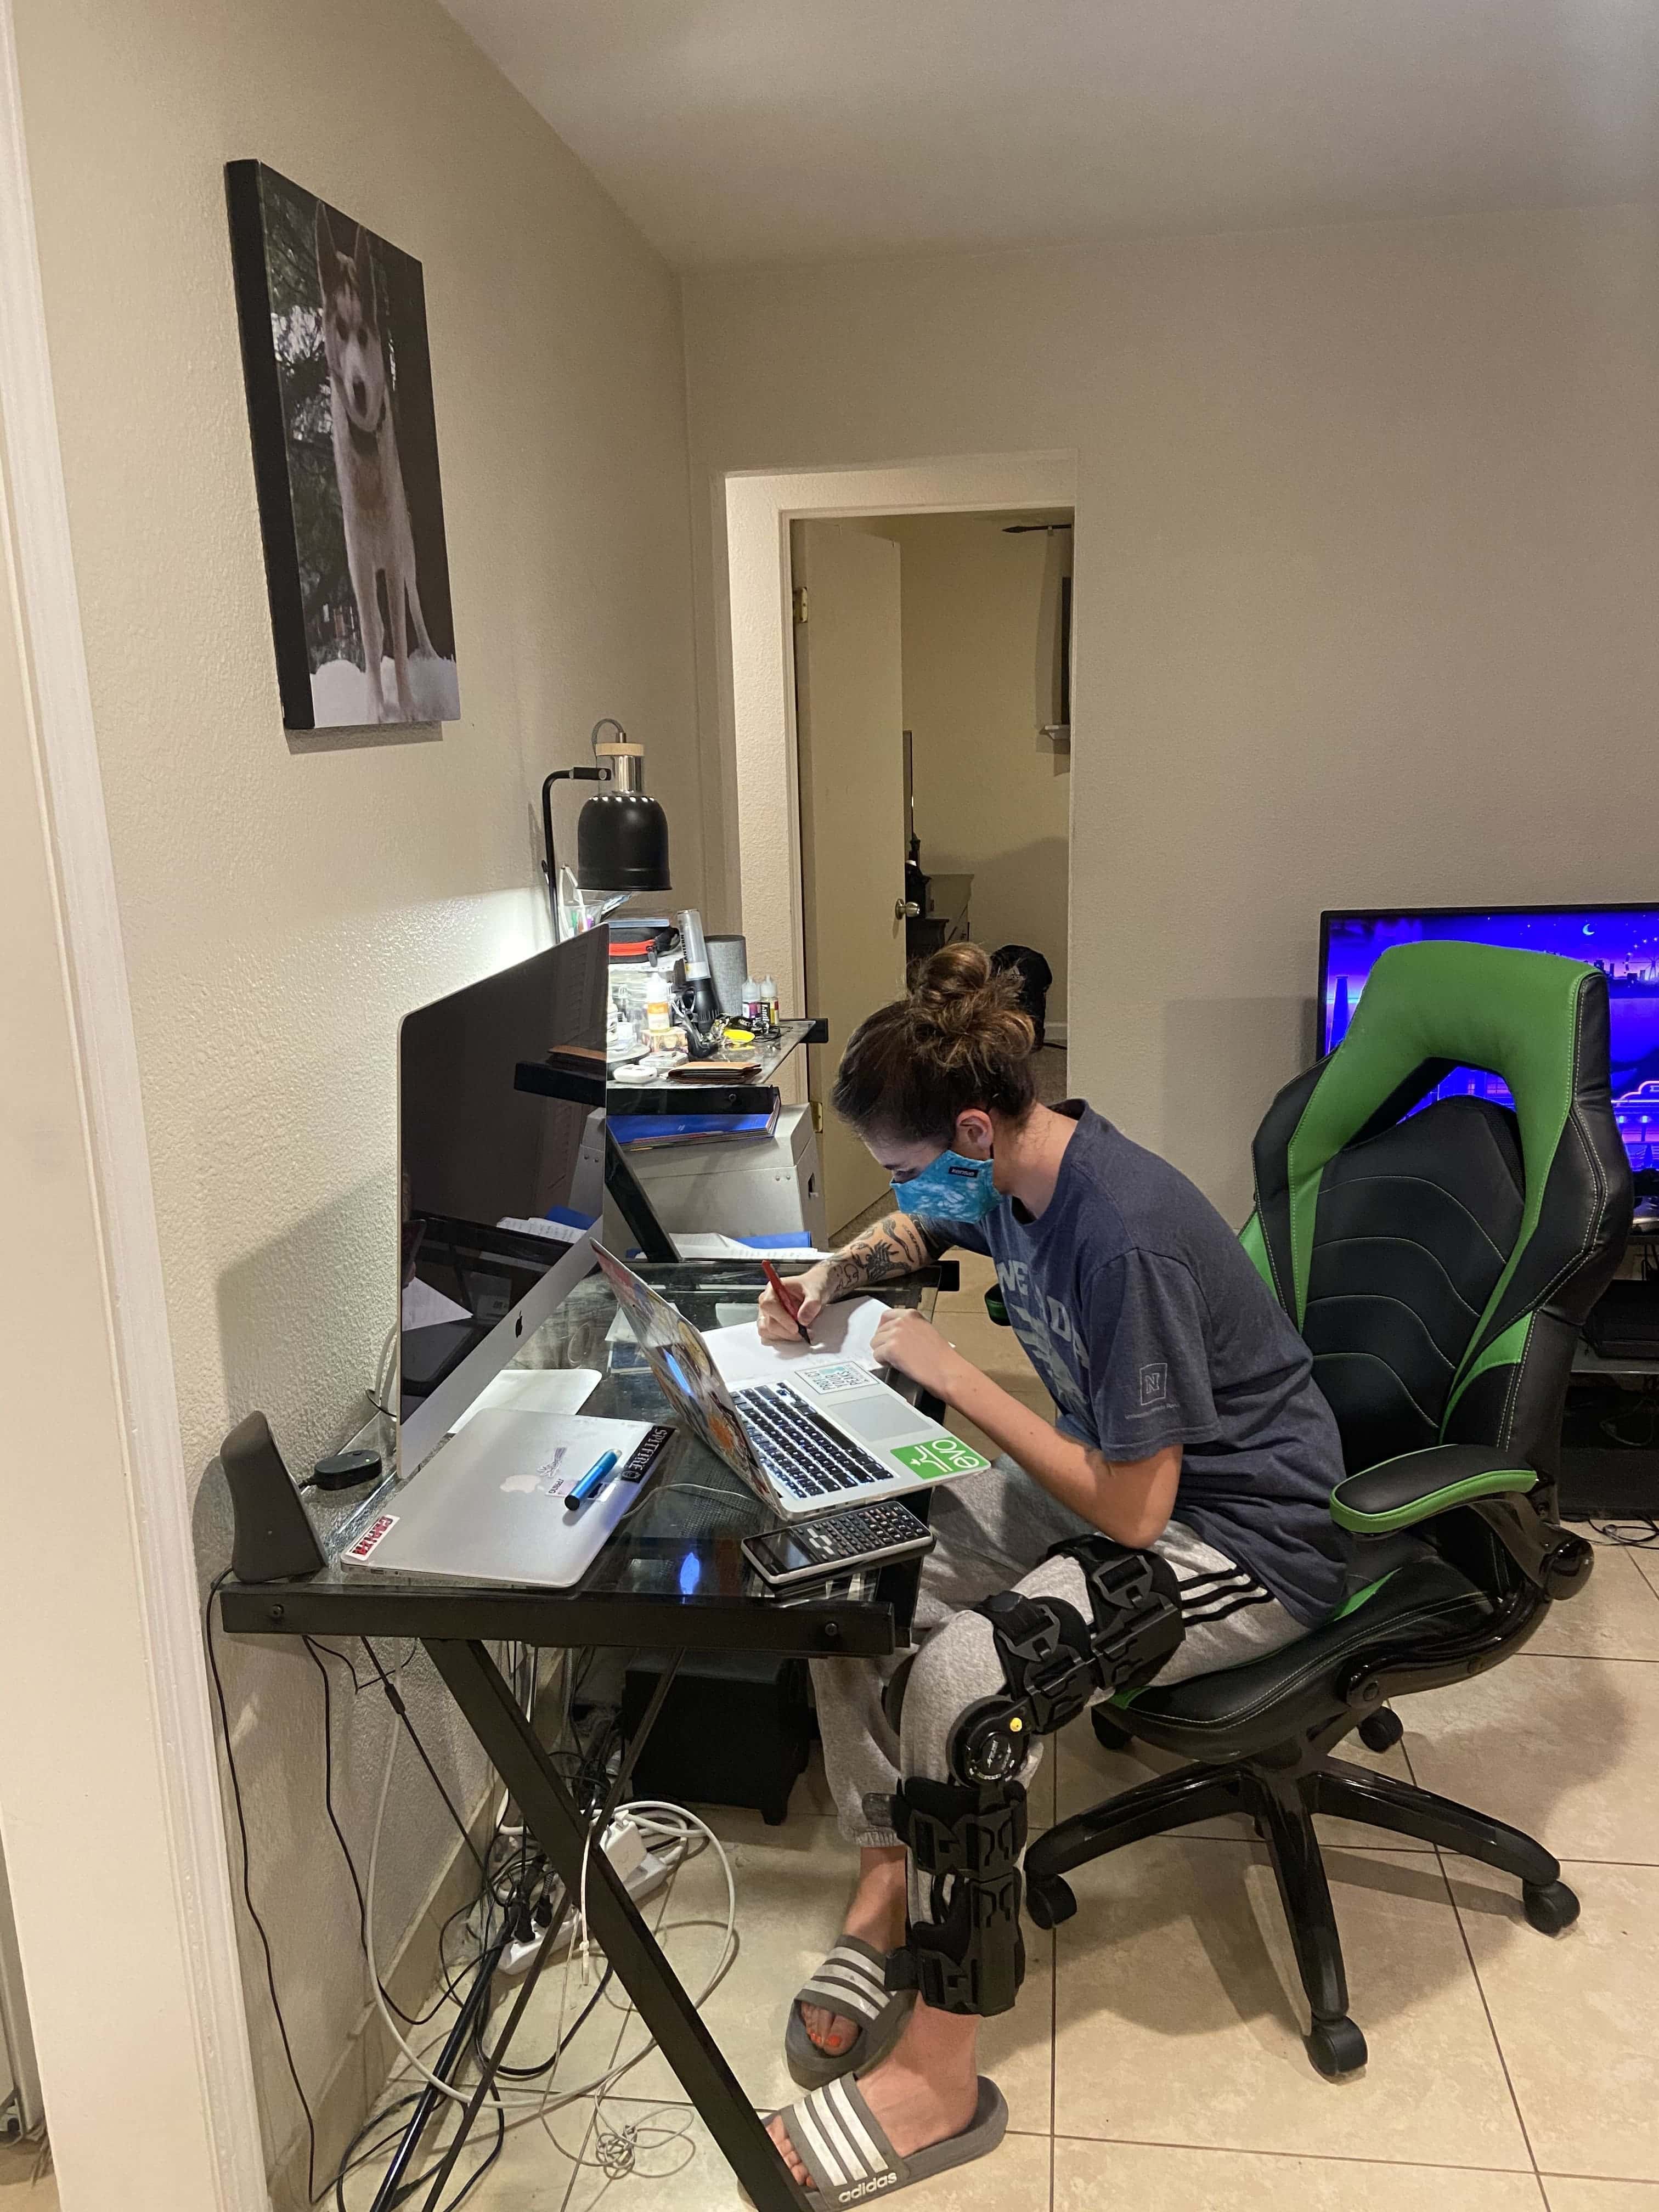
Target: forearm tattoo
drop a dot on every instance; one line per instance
(896, 1246)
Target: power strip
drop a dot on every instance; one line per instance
(642, 1873)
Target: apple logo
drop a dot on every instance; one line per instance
(522, 1482)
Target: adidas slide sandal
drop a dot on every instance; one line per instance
(852, 1982)
(840, 2143)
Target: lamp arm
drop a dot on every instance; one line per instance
(561, 776)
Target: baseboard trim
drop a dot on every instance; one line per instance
(1056, 1033)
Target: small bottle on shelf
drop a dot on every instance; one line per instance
(754, 1016)
(769, 1005)
(656, 1005)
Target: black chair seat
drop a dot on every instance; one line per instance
(1244, 1709)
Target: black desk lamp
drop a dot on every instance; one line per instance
(622, 834)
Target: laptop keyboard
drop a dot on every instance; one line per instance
(801, 1455)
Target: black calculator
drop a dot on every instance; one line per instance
(842, 1543)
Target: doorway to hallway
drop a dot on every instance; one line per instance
(932, 668)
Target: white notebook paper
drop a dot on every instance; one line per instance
(841, 1330)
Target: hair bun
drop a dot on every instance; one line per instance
(958, 993)
(958, 1038)
(954, 988)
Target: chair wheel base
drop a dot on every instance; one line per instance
(1381, 1731)
(1336, 2047)
(1050, 1902)
(1107, 1734)
(1551, 1907)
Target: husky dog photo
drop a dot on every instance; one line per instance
(345, 456)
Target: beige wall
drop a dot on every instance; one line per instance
(284, 902)
(1367, 589)
(993, 796)
(84, 1756)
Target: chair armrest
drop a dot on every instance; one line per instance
(1397, 1493)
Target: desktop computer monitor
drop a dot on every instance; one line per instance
(501, 1164)
(1623, 941)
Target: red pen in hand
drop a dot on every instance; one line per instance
(790, 1303)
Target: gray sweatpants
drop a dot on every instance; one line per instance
(992, 1529)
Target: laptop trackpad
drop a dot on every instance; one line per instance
(876, 1418)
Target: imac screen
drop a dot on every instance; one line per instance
(488, 1170)
(1622, 941)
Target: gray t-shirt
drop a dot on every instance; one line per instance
(1150, 1325)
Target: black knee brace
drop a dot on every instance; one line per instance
(967, 1956)
(1053, 1664)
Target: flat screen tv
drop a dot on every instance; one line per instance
(1623, 941)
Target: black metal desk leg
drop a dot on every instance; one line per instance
(492, 2060)
(477, 1686)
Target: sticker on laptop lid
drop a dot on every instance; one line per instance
(941, 1454)
(371, 1536)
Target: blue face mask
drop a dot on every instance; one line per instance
(949, 1189)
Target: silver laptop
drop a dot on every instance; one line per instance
(825, 1433)
(491, 1506)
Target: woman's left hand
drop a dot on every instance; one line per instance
(903, 1340)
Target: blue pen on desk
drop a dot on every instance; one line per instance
(592, 1483)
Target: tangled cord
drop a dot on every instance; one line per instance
(1635, 1534)
(657, 1821)
(616, 2149)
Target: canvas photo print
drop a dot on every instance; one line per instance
(345, 451)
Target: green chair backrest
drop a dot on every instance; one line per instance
(1419, 1256)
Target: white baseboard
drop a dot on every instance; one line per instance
(1056, 1033)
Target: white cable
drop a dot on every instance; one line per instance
(545, 2099)
(386, 1373)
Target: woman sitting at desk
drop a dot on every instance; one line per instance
(1173, 1520)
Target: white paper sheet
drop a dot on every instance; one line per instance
(425, 1307)
(843, 1331)
(534, 1390)
(706, 1244)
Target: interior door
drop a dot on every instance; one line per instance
(849, 708)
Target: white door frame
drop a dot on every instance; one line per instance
(188, 2136)
(757, 693)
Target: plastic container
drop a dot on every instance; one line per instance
(769, 1005)
(728, 962)
(656, 1002)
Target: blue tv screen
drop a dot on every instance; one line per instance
(1623, 941)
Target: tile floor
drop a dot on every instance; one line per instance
(1155, 2059)
(21, 2189)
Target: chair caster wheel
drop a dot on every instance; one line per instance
(1050, 1902)
(1381, 1731)
(1107, 1734)
(1336, 2047)
(1550, 1906)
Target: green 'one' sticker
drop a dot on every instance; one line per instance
(939, 1456)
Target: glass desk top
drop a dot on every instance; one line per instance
(673, 1572)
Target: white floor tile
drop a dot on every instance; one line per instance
(1157, 2177)
(1567, 1749)
(1180, 2021)
(1577, 2017)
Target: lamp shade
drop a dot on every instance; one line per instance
(622, 843)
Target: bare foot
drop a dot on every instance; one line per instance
(925, 2090)
(876, 1916)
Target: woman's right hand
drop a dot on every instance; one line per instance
(777, 1322)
